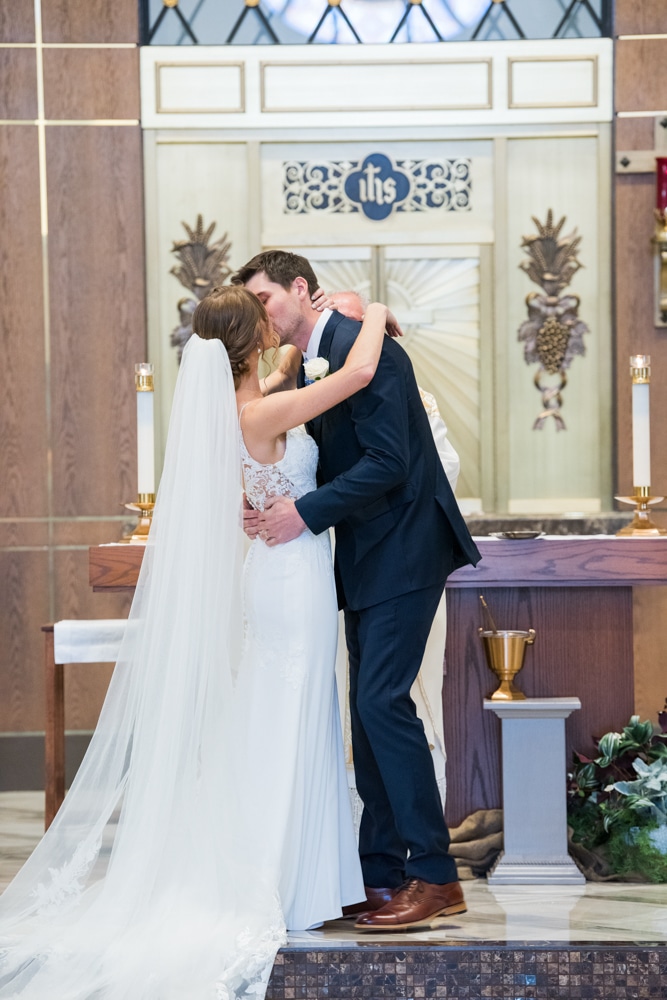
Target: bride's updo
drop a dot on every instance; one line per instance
(235, 316)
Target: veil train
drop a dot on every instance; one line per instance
(150, 882)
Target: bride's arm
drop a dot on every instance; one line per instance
(284, 377)
(275, 414)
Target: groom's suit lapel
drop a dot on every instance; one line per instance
(327, 335)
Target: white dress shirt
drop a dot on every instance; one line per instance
(316, 336)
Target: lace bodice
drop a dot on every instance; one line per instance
(292, 476)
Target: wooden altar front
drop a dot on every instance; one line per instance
(575, 591)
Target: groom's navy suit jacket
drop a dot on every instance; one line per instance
(398, 526)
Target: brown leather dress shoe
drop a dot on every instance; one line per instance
(416, 905)
(375, 898)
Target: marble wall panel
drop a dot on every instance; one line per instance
(646, 17)
(72, 21)
(17, 21)
(91, 83)
(18, 83)
(641, 83)
(97, 313)
(24, 608)
(23, 444)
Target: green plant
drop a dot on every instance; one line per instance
(617, 801)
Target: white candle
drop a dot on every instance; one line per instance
(145, 429)
(641, 428)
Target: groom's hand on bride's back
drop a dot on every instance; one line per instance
(280, 522)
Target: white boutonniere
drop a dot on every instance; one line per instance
(315, 369)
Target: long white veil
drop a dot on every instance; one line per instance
(148, 885)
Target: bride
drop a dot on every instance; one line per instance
(211, 810)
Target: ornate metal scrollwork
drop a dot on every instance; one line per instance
(553, 333)
(201, 267)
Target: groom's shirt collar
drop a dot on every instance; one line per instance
(316, 336)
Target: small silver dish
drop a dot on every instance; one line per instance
(519, 535)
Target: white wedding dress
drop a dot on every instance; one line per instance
(287, 699)
(169, 869)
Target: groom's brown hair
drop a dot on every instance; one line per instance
(279, 266)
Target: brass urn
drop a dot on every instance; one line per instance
(505, 650)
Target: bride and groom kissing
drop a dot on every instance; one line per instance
(211, 810)
(399, 533)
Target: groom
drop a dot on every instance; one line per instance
(399, 533)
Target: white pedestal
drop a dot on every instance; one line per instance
(534, 794)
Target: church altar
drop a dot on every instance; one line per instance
(574, 590)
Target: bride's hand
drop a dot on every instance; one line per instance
(250, 519)
(393, 328)
(320, 301)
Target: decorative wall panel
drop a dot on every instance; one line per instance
(364, 86)
(97, 313)
(553, 83)
(190, 174)
(200, 88)
(548, 470)
(462, 83)
(430, 192)
(91, 83)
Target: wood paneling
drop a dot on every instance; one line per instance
(90, 532)
(91, 83)
(23, 443)
(97, 313)
(90, 21)
(635, 332)
(650, 614)
(640, 17)
(30, 533)
(23, 610)
(18, 83)
(583, 648)
(641, 82)
(115, 567)
(17, 21)
(634, 133)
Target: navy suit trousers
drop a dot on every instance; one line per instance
(403, 832)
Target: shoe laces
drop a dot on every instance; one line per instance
(412, 886)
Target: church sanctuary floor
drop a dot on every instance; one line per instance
(603, 941)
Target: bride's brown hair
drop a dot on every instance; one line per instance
(235, 316)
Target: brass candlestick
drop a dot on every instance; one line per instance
(143, 506)
(642, 526)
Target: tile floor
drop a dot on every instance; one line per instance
(594, 913)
